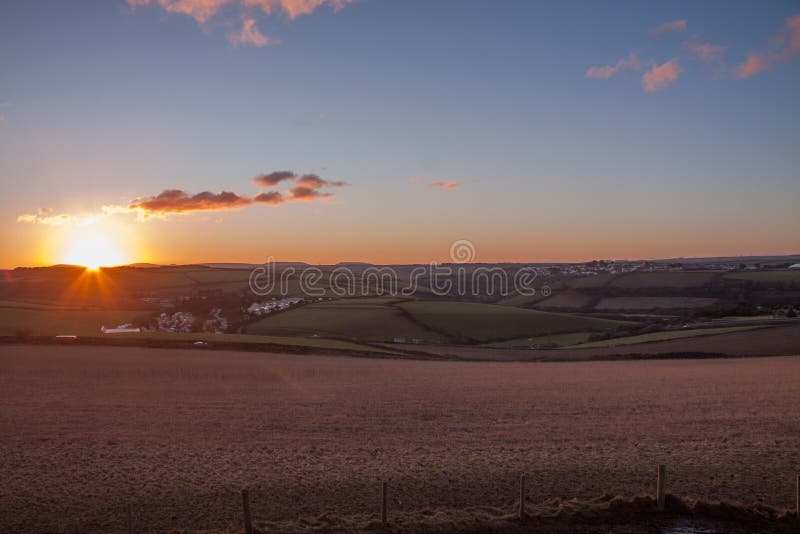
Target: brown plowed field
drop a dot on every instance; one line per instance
(86, 431)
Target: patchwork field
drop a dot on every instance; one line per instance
(176, 434)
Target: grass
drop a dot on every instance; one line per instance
(662, 336)
(666, 279)
(559, 340)
(42, 322)
(598, 280)
(565, 299)
(366, 319)
(653, 303)
(491, 322)
(766, 276)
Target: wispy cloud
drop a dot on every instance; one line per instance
(440, 184)
(200, 10)
(203, 11)
(250, 35)
(660, 76)
(632, 62)
(784, 46)
(295, 8)
(705, 52)
(668, 27)
(305, 188)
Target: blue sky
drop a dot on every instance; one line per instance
(104, 102)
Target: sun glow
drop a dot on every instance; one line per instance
(93, 249)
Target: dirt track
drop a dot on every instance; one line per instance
(177, 434)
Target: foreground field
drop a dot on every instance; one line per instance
(176, 434)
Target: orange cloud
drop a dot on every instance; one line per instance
(785, 46)
(251, 35)
(273, 198)
(674, 26)
(631, 62)
(439, 184)
(660, 76)
(177, 201)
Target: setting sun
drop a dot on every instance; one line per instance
(93, 249)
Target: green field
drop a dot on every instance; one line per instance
(598, 280)
(665, 279)
(766, 276)
(367, 319)
(559, 340)
(490, 322)
(662, 336)
(565, 299)
(653, 303)
(44, 322)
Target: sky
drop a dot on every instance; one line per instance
(179, 131)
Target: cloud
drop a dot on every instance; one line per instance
(315, 182)
(668, 27)
(660, 76)
(440, 184)
(632, 62)
(273, 178)
(304, 193)
(203, 11)
(305, 188)
(295, 8)
(785, 45)
(177, 201)
(706, 52)
(273, 198)
(50, 220)
(250, 35)
(200, 10)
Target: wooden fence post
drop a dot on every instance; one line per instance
(248, 521)
(384, 502)
(662, 475)
(130, 520)
(522, 497)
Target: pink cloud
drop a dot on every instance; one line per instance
(200, 10)
(440, 184)
(204, 10)
(632, 62)
(660, 76)
(674, 26)
(706, 52)
(784, 47)
(754, 64)
(251, 36)
(295, 8)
